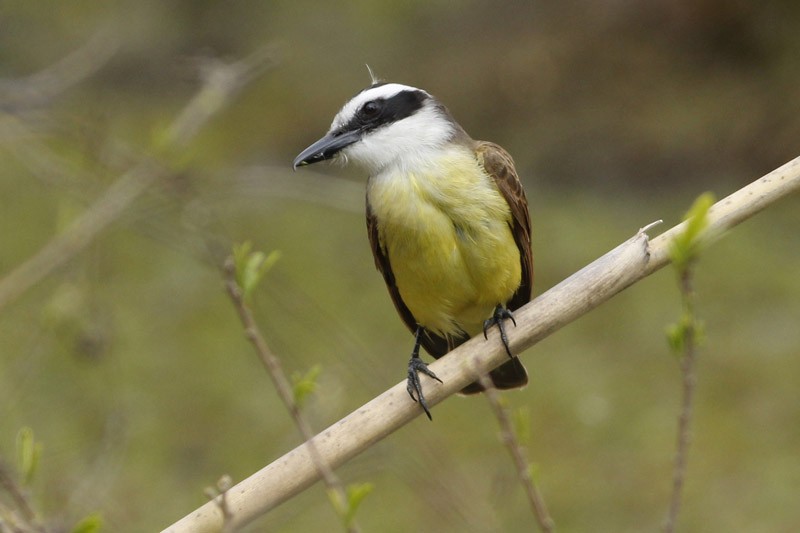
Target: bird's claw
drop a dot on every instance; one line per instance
(414, 385)
(499, 315)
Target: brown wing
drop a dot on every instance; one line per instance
(499, 165)
(434, 344)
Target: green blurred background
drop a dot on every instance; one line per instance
(131, 367)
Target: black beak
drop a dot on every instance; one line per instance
(326, 148)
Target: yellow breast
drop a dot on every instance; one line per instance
(445, 228)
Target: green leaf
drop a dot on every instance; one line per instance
(240, 253)
(675, 338)
(685, 246)
(305, 385)
(355, 495)
(251, 266)
(678, 334)
(91, 524)
(337, 502)
(28, 453)
(698, 215)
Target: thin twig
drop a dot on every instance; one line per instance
(41, 87)
(284, 389)
(221, 83)
(572, 298)
(684, 437)
(509, 436)
(24, 509)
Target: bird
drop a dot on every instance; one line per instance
(447, 220)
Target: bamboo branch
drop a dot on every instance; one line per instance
(626, 264)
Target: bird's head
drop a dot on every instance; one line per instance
(385, 124)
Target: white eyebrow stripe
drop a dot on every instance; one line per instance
(382, 91)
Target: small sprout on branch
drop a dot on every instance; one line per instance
(677, 333)
(346, 503)
(355, 495)
(685, 247)
(304, 385)
(28, 453)
(251, 266)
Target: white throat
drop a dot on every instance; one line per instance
(407, 143)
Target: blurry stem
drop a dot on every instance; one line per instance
(688, 358)
(284, 388)
(23, 508)
(535, 498)
(221, 82)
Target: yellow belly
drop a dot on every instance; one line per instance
(446, 232)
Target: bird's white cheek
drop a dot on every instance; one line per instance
(369, 154)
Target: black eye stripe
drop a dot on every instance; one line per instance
(389, 110)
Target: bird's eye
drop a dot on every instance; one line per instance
(370, 109)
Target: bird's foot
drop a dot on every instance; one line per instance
(499, 315)
(414, 386)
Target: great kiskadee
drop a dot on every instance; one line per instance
(447, 220)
